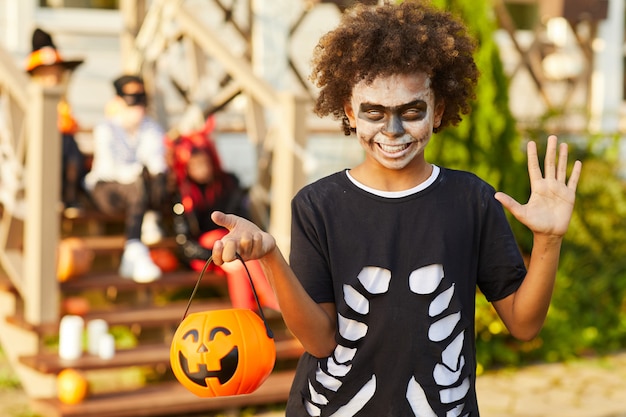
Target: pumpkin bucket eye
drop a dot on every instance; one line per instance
(222, 352)
(193, 333)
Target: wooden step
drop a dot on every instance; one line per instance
(175, 279)
(89, 220)
(148, 316)
(115, 243)
(167, 399)
(92, 214)
(143, 355)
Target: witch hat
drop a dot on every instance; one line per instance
(45, 53)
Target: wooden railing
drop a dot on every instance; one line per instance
(30, 182)
(30, 160)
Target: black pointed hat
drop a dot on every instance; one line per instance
(45, 53)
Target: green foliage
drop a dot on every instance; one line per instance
(588, 311)
(589, 306)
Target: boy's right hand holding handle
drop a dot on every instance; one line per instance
(244, 238)
(313, 324)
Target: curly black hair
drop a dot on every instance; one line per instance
(389, 39)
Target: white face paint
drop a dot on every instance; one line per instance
(394, 117)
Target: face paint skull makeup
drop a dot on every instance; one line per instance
(394, 118)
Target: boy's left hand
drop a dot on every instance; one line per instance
(551, 203)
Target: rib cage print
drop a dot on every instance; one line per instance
(442, 321)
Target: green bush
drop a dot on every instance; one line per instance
(588, 310)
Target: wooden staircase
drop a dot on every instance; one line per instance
(32, 301)
(171, 400)
(147, 314)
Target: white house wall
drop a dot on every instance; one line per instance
(608, 75)
(92, 35)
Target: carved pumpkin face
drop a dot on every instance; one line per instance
(222, 352)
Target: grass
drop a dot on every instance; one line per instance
(8, 379)
(12, 401)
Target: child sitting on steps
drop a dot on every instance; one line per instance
(202, 187)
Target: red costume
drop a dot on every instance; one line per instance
(195, 231)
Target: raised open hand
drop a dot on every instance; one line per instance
(549, 208)
(244, 238)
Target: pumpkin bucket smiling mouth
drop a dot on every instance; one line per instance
(222, 352)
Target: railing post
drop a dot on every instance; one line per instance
(288, 175)
(41, 226)
(133, 13)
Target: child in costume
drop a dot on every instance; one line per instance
(386, 256)
(128, 174)
(45, 65)
(202, 186)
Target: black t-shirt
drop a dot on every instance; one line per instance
(402, 273)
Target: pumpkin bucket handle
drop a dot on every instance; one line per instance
(269, 332)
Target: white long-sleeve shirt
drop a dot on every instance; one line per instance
(120, 157)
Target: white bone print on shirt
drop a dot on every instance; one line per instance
(376, 281)
(427, 280)
(446, 374)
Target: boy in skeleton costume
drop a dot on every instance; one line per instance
(386, 256)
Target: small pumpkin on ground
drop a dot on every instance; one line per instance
(72, 386)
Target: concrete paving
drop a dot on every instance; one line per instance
(584, 388)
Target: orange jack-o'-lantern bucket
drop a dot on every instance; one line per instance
(222, 352)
